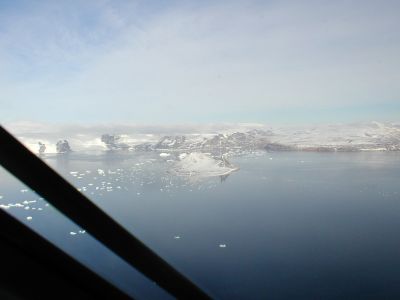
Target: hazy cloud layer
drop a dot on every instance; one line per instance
(100, 61)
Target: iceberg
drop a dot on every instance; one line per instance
(200, 165)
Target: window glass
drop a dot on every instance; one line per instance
(32, 210)
(254, 145)
(297, 214)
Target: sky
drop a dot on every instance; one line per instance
(169, 62)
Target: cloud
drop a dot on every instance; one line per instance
(218, 61)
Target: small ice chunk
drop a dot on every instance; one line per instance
(4, 206)
(222, 245)
(72, 233)
(73, 172)
(177, 237)
(24, 191)
(82, 231)
(164, 154)
(101, 172)
(1, 197)
(27, 202)
(29, 218)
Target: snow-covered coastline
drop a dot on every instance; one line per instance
(224, 139)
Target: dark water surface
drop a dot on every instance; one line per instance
(285, 226)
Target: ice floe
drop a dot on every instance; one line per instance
(77, 232)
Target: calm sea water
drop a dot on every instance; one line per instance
(285, 226)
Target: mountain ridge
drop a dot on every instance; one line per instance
(371, 136)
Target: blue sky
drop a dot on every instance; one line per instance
(199, 61)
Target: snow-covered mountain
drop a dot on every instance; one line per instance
(372, 136)
(340, 137)
(236, 139)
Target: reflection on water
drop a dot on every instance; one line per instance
(224, 177)
(287, 225)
